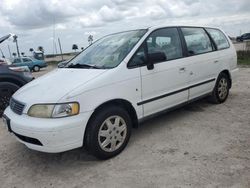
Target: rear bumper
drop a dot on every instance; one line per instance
(48, 135)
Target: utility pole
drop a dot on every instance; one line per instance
(54, 35)
(9, 51)
(2, 53)
(55, 46)
(59, 42)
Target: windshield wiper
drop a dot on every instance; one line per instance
(78, 65)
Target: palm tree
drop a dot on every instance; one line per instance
(40, 48)
(14, 54)
(90, 39)
(31, 50)
(17, 48)
(74, 47)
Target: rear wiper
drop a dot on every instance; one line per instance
(78, 65)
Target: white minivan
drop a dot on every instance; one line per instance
(117, 82)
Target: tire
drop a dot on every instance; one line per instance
(221, 89)
(36, 68)
(7, 89)
(105, 137)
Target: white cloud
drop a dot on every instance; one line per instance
(92, 20)
(90, 33)
(33, 20)
(156, 12)
(60, 27)
(109, 14)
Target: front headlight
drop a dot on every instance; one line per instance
(54, 110)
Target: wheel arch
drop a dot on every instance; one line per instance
(120, 102)
(36, 65)
(226, 71)
(12, 80)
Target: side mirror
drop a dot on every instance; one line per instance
(155, 57)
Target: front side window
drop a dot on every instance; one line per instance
(160, 42)
(107, 52)
(17, 61)
(166, 41)
(26, 60)
(246, 36)
(197, 41)
(219, 38)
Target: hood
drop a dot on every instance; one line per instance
(51, 87)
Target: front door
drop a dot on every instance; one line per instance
(165, 85)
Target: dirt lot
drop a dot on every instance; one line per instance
(200, 145)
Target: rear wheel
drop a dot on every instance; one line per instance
(221, 89)
(108, 132)
(36, 68)
(7, 89)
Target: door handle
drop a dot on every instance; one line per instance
(183, 69)
(216, 61)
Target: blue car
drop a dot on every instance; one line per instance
(33, 64)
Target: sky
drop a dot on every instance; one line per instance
(34, 21)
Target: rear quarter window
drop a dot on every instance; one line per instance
(219, 38)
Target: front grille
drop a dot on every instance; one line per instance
(16, 106)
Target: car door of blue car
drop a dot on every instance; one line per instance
(28, 62)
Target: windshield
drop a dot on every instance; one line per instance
(108, 52)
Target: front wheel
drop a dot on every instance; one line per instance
(36, 68)
(221, 89)
(7, 89)
(108, 132)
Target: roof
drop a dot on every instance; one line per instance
(177, 25)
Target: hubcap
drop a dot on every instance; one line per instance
(112, 133)
(223, 88)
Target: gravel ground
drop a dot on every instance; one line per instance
(200, 145)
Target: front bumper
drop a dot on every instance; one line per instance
(234, 74)
(55, 135)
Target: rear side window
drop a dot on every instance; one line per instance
(219, 38)
(197, 41)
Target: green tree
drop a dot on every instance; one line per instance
(40, 48)
(90, 39)
(31, 50)
(74, 47)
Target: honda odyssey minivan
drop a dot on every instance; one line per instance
(117, 82)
